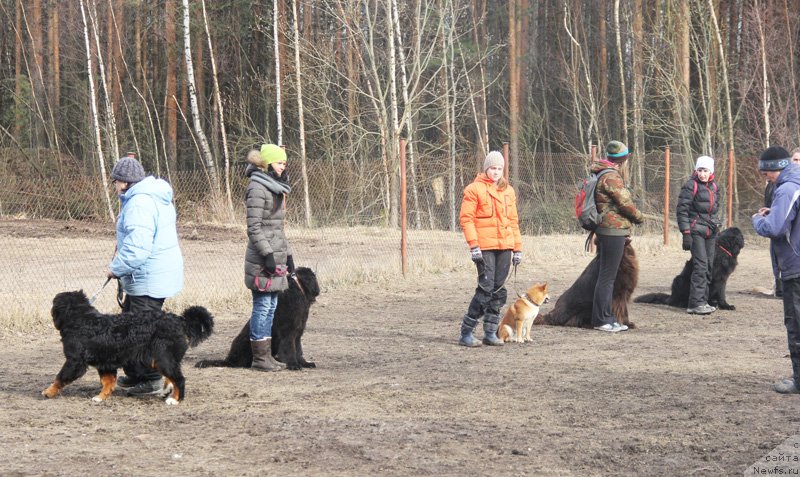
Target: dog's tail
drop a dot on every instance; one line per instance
(198, 324)
(213, 363)
(655, 298)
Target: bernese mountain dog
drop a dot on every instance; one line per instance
(108, 341)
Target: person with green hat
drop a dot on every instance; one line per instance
(268, 259)
(615, 205)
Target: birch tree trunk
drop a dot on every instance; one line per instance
(211, 169)
(110, 120)
(276, 44)
(394, 139)
(513, 92)
(95, 119)
(765, 97)
(220, 110)
(299, 86)
(409, 109)
(726, 83)
(622, 87)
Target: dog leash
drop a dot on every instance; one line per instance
(97, 293)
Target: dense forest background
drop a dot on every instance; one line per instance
(192, 85)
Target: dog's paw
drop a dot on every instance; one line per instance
(308, 364)
(98, 398)
(726, 306)
(294, 366)
(171, 401)
(50, 392)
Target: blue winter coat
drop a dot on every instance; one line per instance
(148, 260)
(782, 224)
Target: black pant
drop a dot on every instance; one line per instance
(609, 255)
(702, 264)
(791, 318)
(491, 294)
(137, 304)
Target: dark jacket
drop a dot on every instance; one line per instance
(781, 225)
(266, 211)
(614, 203)
(697, 208)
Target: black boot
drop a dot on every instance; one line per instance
(467, 326)
(490, 324)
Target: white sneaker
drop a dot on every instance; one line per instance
(607, 327)
(620, 327)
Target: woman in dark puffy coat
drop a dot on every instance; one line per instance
(697, 208)
(268, 260)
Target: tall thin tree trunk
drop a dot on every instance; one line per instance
(95, 118)
(792, 72)
(220, 110)
(18, 47)
(638, 92)
(276, 44)
(765, 97)
(394, 138)
(622, 87)
(513, 99)
(198, 127)
(301, 119)
(55, 62)
(109, 116)
(171, 87)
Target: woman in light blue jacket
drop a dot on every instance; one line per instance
(148, 261)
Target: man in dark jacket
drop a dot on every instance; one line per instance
(781, 224)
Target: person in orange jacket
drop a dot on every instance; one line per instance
(490, 224)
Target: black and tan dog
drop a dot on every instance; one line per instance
(107, 342)
(574, 306)
(726, 257)
(288, 326)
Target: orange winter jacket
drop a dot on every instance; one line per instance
(489, 216)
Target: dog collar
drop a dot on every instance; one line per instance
(528, 298)
(724, 250)
(302, 290)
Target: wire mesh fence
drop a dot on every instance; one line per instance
(57, 234)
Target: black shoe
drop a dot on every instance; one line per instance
(146, 388)
(125, 382)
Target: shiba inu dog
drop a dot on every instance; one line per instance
(516, 323)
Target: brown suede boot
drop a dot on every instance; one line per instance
(262, 356)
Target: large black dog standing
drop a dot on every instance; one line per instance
(729, 244)
(288, 326)
(108, 342)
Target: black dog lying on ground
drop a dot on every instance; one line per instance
(288, 326)
(574, 306)
(726, 256)
(108, 342)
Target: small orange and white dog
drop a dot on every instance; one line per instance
(516, 323)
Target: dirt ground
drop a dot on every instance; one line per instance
(393, 394)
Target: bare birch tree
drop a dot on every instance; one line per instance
(95, 119)
(211, 169)
(276, 43)
(301, 119)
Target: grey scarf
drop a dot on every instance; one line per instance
(272, 185)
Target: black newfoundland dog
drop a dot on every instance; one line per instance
(729, 244)
(107, 342)
(574, 306)
(288, 326)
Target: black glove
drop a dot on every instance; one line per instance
(687, 241)
(269, 264)
(290, 264)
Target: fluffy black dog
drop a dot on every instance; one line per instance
(729, 244)
(574, 306)
(288, 326)
(108, 342)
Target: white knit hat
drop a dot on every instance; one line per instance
(705, 162)
(494, 158)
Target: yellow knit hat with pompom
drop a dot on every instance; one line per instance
(271, 153)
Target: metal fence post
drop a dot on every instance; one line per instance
(731, 168)
(666, 196)
(403, 208)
